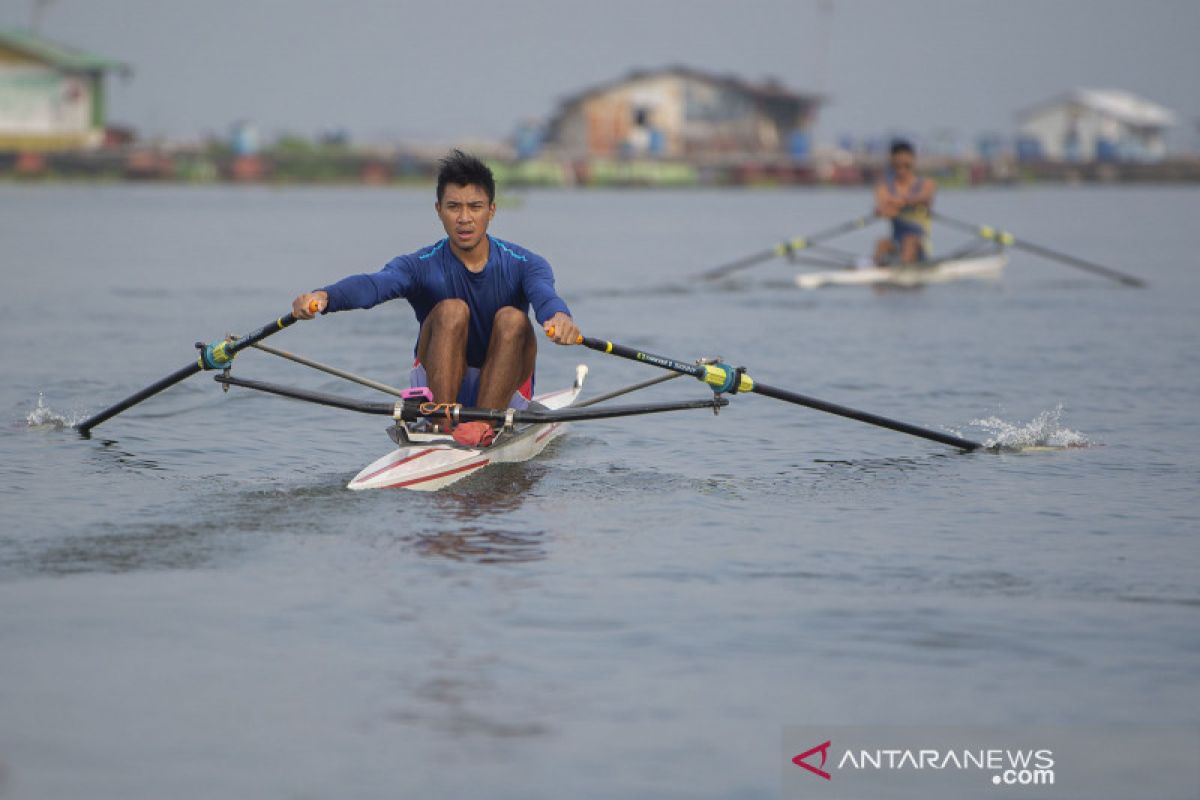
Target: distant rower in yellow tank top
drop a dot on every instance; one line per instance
(905, 198)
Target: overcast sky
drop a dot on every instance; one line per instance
(448, 71)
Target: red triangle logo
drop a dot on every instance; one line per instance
(823, 749)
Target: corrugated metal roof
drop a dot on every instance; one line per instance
(1121, 105)
(55, 54)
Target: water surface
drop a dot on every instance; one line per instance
(192, 605)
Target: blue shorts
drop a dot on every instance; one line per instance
(468, 391)
(902, 228)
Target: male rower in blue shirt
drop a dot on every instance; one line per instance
(471, 294)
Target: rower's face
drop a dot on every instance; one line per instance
(902, 163)
(465, 212)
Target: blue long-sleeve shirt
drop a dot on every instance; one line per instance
(513, 276)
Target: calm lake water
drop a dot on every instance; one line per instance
(193, 606)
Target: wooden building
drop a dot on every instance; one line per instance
(681, 113)
(51, 96)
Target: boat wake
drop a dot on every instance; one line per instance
(42, 416)
(1045, 431)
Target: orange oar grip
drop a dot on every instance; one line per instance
(550, 334)
(314, 306)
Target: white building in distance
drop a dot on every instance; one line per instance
(1094, 125)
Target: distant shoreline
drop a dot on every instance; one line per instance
(346, 167)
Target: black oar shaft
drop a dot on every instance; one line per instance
(229, 350)
(1006, 238)
(717, 375)
(1089, 266)
(695, 370)
(864, 416)
(134, 399)
(742, 263)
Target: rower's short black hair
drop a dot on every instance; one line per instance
(463, 169)
(902, 146)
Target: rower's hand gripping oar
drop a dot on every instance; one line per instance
(786, 248)
(218, 355)
(726, 379)
(1007, 239)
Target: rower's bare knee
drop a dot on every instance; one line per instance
(511, 325)
(452, 313)
(444, 331)
(512, 338)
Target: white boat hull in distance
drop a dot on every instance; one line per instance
(987, 267)
(433, 461)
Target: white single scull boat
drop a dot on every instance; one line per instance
(985, 267)
(428, 461)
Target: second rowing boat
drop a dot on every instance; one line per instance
(982, 267)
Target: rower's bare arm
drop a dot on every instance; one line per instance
(562, 329)
(309, 304)
(927, 192)
(885, 204)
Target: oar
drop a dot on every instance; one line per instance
(724, 378)
(783, 248)
(1007, 239)
(212, 356)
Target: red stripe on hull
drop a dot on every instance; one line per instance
(456, 470)
(401, 461)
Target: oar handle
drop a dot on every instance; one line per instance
(550, 334)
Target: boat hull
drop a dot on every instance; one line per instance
(433, 461)
(987, 267)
